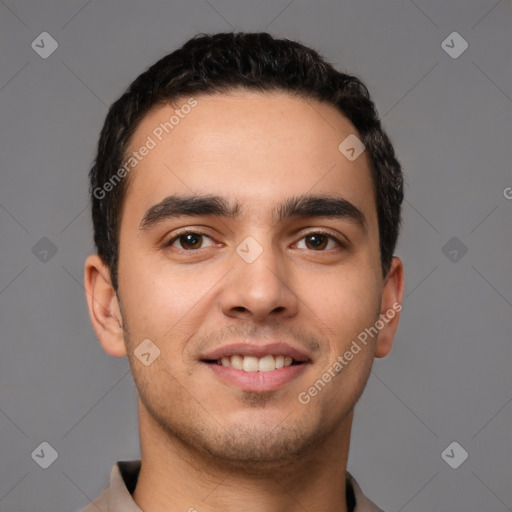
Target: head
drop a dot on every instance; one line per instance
(243, 131)
(220, 63)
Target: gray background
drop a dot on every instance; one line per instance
(448, 377)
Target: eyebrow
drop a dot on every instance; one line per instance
(330, 206)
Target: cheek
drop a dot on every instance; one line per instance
(348, 304)
(161, 301)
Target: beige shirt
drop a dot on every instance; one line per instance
(123, 479)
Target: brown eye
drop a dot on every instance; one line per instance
(316, 241)
(319, 241)
(188, 241)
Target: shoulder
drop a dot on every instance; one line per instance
(117, 496)
(100, 504)
(362, 503)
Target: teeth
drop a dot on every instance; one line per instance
(254, 364)
(250, 364)
(267, 364)
(237, 362)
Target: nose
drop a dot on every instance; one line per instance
(259, 289)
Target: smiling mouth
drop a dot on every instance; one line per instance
(268, 363)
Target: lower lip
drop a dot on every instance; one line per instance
(257, 381)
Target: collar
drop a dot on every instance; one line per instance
(124, 475)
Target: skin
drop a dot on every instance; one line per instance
(206, 444)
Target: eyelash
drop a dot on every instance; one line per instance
(195, 232)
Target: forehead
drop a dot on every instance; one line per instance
(258, 147)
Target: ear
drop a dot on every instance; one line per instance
(391, 305)
(103, 305)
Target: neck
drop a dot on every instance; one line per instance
(175, 476)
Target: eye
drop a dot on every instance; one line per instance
(189, 240)
(319, 241)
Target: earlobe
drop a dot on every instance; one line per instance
(391, 305)
(104, 310)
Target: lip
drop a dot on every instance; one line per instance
(257, 381)
(256, 350)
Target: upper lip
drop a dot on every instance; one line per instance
(256, 350)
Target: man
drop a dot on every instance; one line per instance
(246, 206)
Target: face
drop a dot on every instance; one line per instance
(251, 298)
